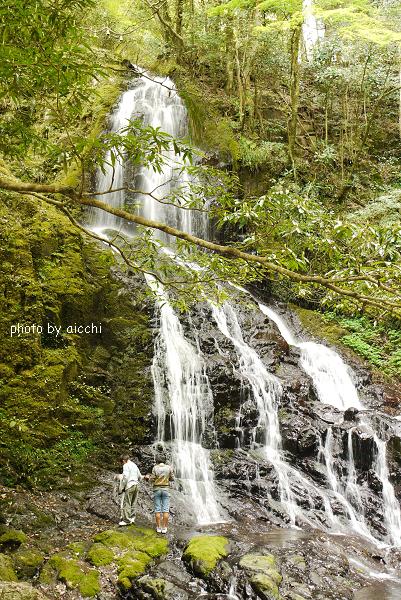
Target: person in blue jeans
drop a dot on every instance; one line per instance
(161, 476)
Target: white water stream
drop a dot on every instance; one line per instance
(183, 403)
(183, 396)
(333, 383)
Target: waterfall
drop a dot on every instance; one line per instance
(183, 395)
(182, 388)
(112, 177)
(391, 507)
(333, 383)
(330, 375)
(266, 390)
(156, 102)
(312, 28)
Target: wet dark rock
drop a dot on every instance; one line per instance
(351, 414)
(364, 448)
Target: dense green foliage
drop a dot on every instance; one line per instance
(310, 145)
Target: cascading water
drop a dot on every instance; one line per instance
(181, 384)
(330, 375)
(183, 396)
(112, 177)
(156, 102)
(334, 386)
(266, 390)
(312, 28)
(391, 508)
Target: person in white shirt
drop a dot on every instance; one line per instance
(128, 489)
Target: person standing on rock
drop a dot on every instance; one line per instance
(161, 476)
(128, 488)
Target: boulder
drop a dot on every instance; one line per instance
(203, 553)
(7, 572)
(12, 539)
(27, 562)
(19, 591)
(263, 574)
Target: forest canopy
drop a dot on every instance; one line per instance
(308, 131)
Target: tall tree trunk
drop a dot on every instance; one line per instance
(239, 77)
(294, 94)
(179, 14)
(229, 43)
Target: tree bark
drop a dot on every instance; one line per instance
(229, 252)
(294, 94)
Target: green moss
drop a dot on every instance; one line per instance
(77, 548)
(132, 550)
(50, 423)
(75, 575)
(263, 573)
(265, 587)
(114, 539)
(27, 562)
(132, 564)
(315, 323)
(99, 555)
(135, 538)
(7, 572)
(19, 591)
(48, 574)
(12, 538)
(203, 552)
(258, 562)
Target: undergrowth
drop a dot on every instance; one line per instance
(377, 342)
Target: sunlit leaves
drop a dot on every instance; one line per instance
(46, 60)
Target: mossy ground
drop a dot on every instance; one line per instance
(132, 550)
(7, 572)
(204, 552)
(74, 575)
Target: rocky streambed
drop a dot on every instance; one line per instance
(55, 546)
(66, 543)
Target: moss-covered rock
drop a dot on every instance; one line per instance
(263, 574)
(203, 552)
(132, 564)
(258, 562)
(27, 561)
(76, 575)
(142, 539)
(265, 587)
(19, 591)
(158, 588)
(100, 555)
(7, 572)
(62, 396)
(48, 575)
(77, 548)
(132, 550)
(12, 539)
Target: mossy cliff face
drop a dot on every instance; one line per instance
(66, 397)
